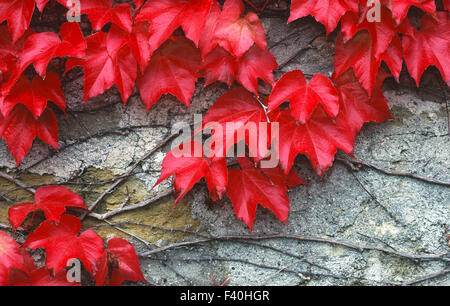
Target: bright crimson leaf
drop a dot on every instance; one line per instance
(256, 63)
(400, 8)
(219, 65)
(100, 12)
(126, 259)
(327, 12)
(172, 69)
(237, 34)
(166, 16)
(34, 95)
(304, 97)
(249, 187)
(429, 47)
(38, 277)
(52, 200)
(191, 167)
(18, 15)
(11, 256)
(62, 243)
(20, 128)
(393, 57)
(207, 40)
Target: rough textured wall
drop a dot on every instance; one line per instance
(399, 219)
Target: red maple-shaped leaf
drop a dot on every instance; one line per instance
(400, 8)
(429, 47)
(18, 15)
(327, 12)
(34, 95)
(219, 65)
(256, 63)
(109, 61)
(125, 262)
(62, 243)
(319, 138)
(192, 166)
(100, 12)
(381, 33)
(278, 177)
(237, 34)
(356, 107)
(138, 42)
(166, 16)
(248, 187)
(236, 112)
(38, 277)
(358, 54)
(20, 128)
(172, 69)
(304, 97)
(52, 200)
(11, 256)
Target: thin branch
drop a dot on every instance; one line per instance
(357, 164)
(17, 182)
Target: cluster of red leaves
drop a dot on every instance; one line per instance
(144, 46)
(60, 236)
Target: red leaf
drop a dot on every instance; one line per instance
(100, 12)
(172, 69)
(400, 8)
(381, 33)
(219, 65)
(207, 40)
(256, 63)
(328, 12)
(38, 277)
(109, 61)
(166, 16)
(128, 268)
(34, 95)
(393, 57)
(235, 111)
(62, 243)
(189, 169)
(304, 97)
(359, 55)
(139, 44)
(20, 128)
(11, 256)
(249, 187)
(18, 14)
(52, 200)
(237, 34)
(429, 46)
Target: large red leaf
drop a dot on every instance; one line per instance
(256, 63)
(400, 8)
(126, 260)
(52, 200)
(20, 128)
(429, 47)
(189, 169)
(248, 187)
(237, 34)
(328, 12)
(166, 16)
(234, 112)
(18, 15)
(173, 69)
(304, 97)
(11, 256)
(62, 243)
(34, 95)
(38, 277)
(358, 54)
(381, 33)
(109, 61)
(100, 12)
